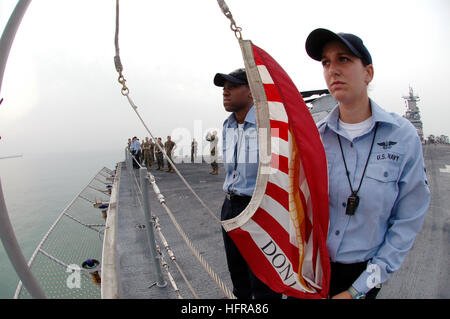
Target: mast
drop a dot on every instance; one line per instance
(412, 112)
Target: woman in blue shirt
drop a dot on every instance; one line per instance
(377, 183)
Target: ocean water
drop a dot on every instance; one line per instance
(37, 187)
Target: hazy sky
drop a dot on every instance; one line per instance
(61, 92)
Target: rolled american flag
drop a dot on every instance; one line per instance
(283, 231)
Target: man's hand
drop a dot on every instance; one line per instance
(343, 295)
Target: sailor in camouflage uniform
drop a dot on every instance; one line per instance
(169, 147)
(152, 152)
(159, 155)
(213, 151)
(146, 149)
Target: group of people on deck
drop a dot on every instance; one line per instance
(148, 153)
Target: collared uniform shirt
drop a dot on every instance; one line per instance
(394, 194)
(240, 150)
(135, 146)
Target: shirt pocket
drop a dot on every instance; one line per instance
(379, 191)
(385, 173)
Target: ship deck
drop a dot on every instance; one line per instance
(134, 265)
(424, 274)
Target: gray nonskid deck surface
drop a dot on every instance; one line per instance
(425, 272)
(136, 269)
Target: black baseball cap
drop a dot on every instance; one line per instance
(318, 38)
(237, 76)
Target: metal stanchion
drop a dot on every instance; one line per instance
(149, 224)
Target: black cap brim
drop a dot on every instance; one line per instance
(318, 38)
(221, 78)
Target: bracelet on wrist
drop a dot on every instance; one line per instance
(355, 293)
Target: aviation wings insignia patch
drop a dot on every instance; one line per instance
(387, 144)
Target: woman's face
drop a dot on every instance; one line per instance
(346, 76)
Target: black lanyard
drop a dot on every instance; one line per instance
(353, 199)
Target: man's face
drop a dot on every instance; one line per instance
(236, 96)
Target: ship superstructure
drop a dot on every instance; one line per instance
(413, 112)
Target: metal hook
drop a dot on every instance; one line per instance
(226, 11)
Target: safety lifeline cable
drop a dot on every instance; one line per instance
(190, 245)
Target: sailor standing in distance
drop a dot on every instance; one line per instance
(378, 194)
(135, 149)
(214, 140)
(240, 148)
(169, 147)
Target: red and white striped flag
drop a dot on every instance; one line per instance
(283, 231)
